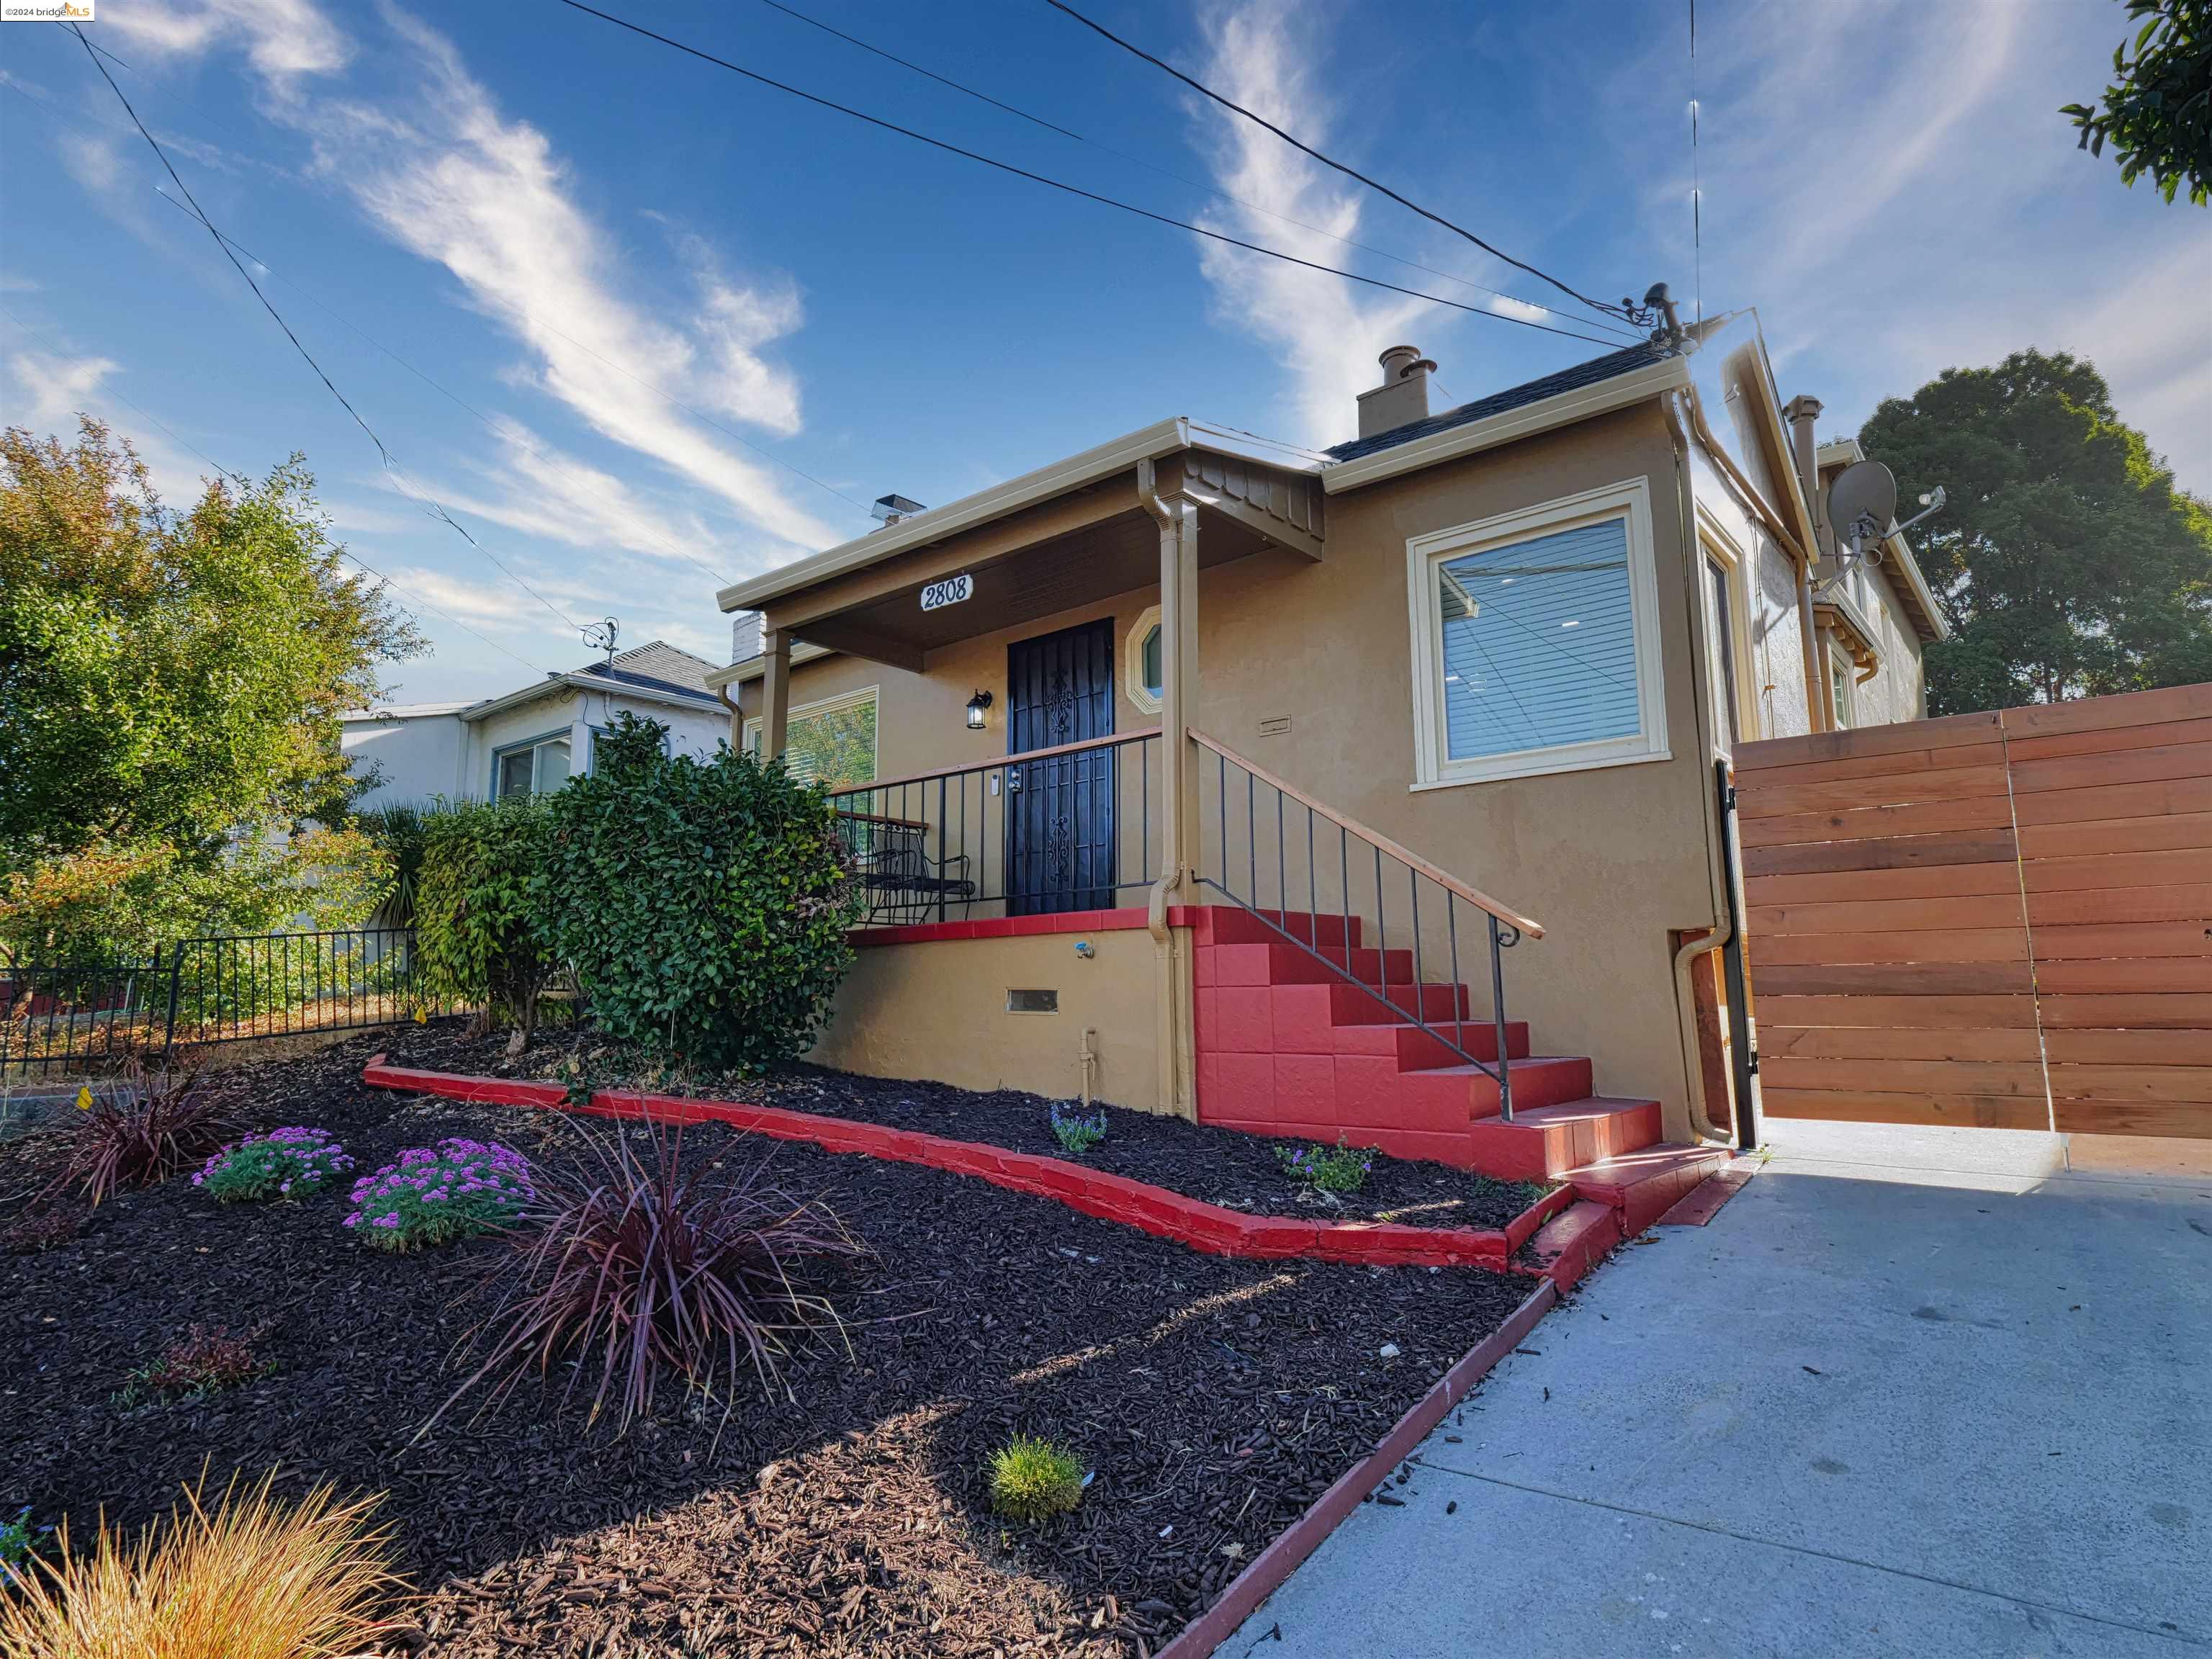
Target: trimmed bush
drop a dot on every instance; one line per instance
(256, 1579)
(1033, 1479)
(288, 1163)
(434, 1195)
(478, 939)
(703, 905)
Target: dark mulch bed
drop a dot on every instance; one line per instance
(1215, 1399)
(1222, 1166)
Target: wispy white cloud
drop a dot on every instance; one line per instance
(49, 392)
(1506, 305)
(284, 39)
(1261, 54)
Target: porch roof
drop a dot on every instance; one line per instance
(1053, 540)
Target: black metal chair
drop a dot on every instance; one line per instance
(903, 883)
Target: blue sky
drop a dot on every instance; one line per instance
(679, 324)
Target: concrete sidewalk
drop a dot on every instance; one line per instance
(1907, 1394)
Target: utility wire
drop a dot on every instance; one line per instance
(1621, 311)
(1072, 190)
(1696, 187)
(243, 481)
(1138, 160)
(391, 466)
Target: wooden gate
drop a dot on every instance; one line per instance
(2000, 920)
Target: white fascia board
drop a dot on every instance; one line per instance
(1147, 444)
(1655, 379)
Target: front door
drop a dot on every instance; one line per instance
(1060, 810)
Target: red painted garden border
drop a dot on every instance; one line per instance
(1202, 1226)
(1273, 1564)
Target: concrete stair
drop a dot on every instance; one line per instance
(1318, 1043)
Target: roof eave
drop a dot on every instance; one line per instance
(1563, 409)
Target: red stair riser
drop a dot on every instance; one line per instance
(1288, 964)
(1372, 1093)
(1546, 1080)
(1228, 926)
(1350, 1005)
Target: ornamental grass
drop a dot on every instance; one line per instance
(141, 1131)
(641, 1269)
(257, 1578)
(1033, 1479)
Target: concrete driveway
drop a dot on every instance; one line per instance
(1910, 1393)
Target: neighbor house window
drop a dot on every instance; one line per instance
(1839, 686)
(1142, 667)
(534, 767)
(1535, 641)
(831, 741)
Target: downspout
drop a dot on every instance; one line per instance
(1722, 928)
(1167, 963)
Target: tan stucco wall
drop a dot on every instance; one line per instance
(938, 1010)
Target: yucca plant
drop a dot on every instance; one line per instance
(257, 1578)
(142, 1130)
(637, 1269)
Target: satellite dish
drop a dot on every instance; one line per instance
(1862, 490)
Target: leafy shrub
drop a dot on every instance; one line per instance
(282, 1163)
(1076, 1133)
(641, 1269)
(703, 905)
(17, 1539)
(40, 1225)
(201, 1363)
(142, 1130)
(1338, 1169)
(434, 1195)
(257, 1579)
(1032, 1479)
(477, 936)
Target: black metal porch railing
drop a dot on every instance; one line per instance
(1068, 828)
(1257, 831)
(79, 1015)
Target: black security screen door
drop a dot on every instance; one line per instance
(1059, 812)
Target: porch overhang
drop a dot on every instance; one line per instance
(1059, 538)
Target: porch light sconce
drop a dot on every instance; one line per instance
(978, 705)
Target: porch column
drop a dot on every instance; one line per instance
(776, 691)
(1179, 826)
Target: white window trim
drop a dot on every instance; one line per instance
(750, 736)
(1133, 663)
(1629, 500)
(561, 734)
(1719, 546)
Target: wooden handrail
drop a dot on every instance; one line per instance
(1407, 856)
(998, 761)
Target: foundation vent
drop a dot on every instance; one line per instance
(1033, 1002)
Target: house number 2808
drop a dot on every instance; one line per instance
(951, 591)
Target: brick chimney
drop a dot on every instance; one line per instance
(1402, 398)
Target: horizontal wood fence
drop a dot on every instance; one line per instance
(2000, 920)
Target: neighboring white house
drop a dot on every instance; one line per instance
(532, 739)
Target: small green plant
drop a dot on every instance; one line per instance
(18, 1539)
(203, 1362)
(1032, 1479)
(435, 1195)
(1338, 1169)
(1076, 1133)
(288, 1163)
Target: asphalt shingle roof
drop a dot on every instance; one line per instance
(1639, 355)
(624, 677)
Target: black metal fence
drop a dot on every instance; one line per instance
(67, 1016)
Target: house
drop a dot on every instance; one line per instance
(533, 739)
(1368, 793)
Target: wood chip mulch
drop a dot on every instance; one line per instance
(1211, 1400)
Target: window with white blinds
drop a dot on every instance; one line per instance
(1535, 641)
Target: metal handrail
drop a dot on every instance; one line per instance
(1499, 920)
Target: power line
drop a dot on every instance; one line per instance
(240, 477)
(391, 466)
(1623, 312)
(1072, 190)
(1138, 160)
(1697, 184)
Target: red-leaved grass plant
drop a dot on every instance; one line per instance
(142, 1130)
(637, 1269)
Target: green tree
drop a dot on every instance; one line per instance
(2065, 561)
(2157, 113)
(170, 684)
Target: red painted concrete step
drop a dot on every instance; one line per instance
(1573, 1242)
(1644, 1185)
(1544, 1142)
